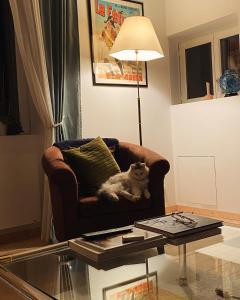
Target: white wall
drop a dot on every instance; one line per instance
(205, 134)
(20, 181)
(112, 111)
(209, 129)
(185, 14)
(188, 20)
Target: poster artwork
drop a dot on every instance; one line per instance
(107, 18)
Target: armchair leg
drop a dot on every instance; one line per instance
(160, 250)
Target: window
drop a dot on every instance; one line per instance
(230, 58)
(198, 70)
(204, 60)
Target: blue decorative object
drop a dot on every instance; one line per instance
(230, 83)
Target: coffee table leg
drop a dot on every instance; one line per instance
(182, 264)
(147, 272)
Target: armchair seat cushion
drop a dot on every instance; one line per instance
(91, 206)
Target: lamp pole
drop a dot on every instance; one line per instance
(139, 101)
(137, 41)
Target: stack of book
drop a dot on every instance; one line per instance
(155, 232)
(108, 248)
(178, 225)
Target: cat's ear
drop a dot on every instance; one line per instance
(132, 166)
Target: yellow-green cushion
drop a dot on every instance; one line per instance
(93, 163)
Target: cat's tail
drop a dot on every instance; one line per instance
(107, 191)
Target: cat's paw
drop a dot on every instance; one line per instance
(114, 197)
(136, 198)
(147, 194)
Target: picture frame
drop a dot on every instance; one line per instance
(105, 19)
(143, 287)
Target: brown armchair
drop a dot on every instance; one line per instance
(74, 214)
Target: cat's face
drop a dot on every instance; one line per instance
(139, 170)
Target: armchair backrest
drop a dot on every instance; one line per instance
(63, 145)
(112, 143)
(128, 154)
(124, 153)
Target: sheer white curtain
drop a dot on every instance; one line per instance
(29, 36)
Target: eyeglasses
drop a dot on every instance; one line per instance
(178, 217)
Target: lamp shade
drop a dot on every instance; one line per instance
(136, 40)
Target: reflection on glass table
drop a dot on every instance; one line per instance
(61, 274)
(58, 273)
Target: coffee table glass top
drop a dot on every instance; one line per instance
(56, 272)
(62, 274)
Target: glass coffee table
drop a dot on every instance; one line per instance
(56, 272)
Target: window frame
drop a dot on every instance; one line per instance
(182, 62)
(217, 52)
(213, 38)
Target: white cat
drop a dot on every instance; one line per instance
(131, 184)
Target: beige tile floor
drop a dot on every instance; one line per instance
(212, 263)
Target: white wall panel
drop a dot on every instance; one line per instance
(212, 128)
(196, 181)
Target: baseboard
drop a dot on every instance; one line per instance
(15, 234)
(222, 215)
(171, 208)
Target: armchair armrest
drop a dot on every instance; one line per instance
(56, 169)
(64, 192)
(158, 168)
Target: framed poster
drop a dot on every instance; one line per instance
(105, 20)
(144, 287)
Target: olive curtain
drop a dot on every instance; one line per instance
(61, 40)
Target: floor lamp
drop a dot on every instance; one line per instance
(137, 41)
